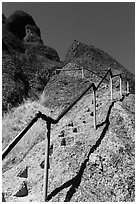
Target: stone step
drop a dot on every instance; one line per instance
(23, 190)
(23, 173)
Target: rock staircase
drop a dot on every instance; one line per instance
(22, 189)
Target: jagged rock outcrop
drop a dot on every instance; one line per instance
(97, 61)
(34, 61)
(17, 21)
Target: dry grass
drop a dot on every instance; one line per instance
(17, 119)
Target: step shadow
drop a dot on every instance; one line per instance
(75, 181)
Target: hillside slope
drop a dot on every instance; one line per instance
(95, 165)
(85, 164)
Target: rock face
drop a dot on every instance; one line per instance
(17, 21)
(97, 61)
(27, 64)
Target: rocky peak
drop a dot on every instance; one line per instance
(17, 21)
(97, 61)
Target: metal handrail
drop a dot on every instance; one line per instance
(50, 121)
(19, 136)
(44, 117)
(69, 69)
(95, 73)
(103, 78)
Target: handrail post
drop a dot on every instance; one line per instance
(127, 87)
(46, 166)
(120, 81)
(82, 73)
(111, 86)
(94, 105)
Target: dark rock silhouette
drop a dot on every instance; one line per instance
(27, 64)
(17, 21)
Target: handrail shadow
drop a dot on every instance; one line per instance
(75, 181)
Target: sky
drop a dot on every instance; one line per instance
(109, 26)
